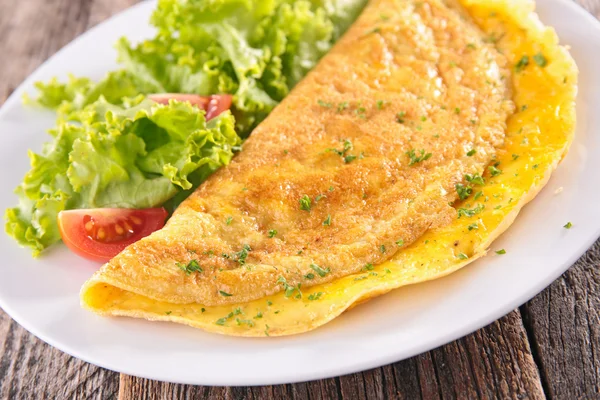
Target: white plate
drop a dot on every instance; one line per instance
(43, 295)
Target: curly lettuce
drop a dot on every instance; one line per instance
(136, 155)
(114, 148)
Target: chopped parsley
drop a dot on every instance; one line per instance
(321, 271)
(241, 255)
(457, 110)
(191, 266)
(348, 159)
(248, 322)
(478, 195)
(289, 289)
(381, 104)
(168, 312)
(305, 203)
(400, 117)
(310, 275)
(465, 212)
(415, 158)
(463, 191)
(462, 256)
(423, 118)
(319, 197)
(327, 221)
(342, 106)
(258, 315)
(324, 104)
(272, 233)
(494, 171)
(228, 220)
(523, 62)
(501, 251)
(222, 321)
(368, 267)
(540, 60)
(315, 296)
(471, 153)
(475, 179)
(400, 242)
(269, 303)
(473, 226)
(515, 156)
(225, 294)
(568, 225)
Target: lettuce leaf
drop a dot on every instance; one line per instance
(114, 148)
(257, 50)
(135, 155)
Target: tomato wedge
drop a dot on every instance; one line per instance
(213, 105)
(99, 234)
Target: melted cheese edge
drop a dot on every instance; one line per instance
(539, 134)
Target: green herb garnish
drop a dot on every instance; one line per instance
(540, 60)
(315, 296)
(190, 267)
(321, 271)
(523, 62)
(475, 179)
(272, 233)
(327, 221)
(465, 212)
(415, 159)
(463, 191)
(289, 289)
(494, 171)
(305, 203)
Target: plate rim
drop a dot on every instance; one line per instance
(373, 362)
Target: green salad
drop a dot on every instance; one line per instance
(113, 147)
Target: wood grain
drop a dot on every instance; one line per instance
(564, 326)
(562, 323)
(32, 31)
(493, 363)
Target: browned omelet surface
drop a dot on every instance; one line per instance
(406, 77)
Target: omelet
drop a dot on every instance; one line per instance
(412, 145)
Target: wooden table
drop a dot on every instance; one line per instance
(549, 347)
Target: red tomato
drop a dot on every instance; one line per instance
(213, 105)
(99, 234)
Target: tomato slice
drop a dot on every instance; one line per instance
(99, 234)
(213, 105)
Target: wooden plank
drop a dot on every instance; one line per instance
(493, 363)
(593, 6)
(31, 32)
(564, 326)
(30, 369)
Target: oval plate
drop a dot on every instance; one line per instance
(43, 295)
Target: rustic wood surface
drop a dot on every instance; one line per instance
(549, 348)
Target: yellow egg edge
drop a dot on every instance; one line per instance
(430, 257)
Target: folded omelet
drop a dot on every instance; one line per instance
(411, 146)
